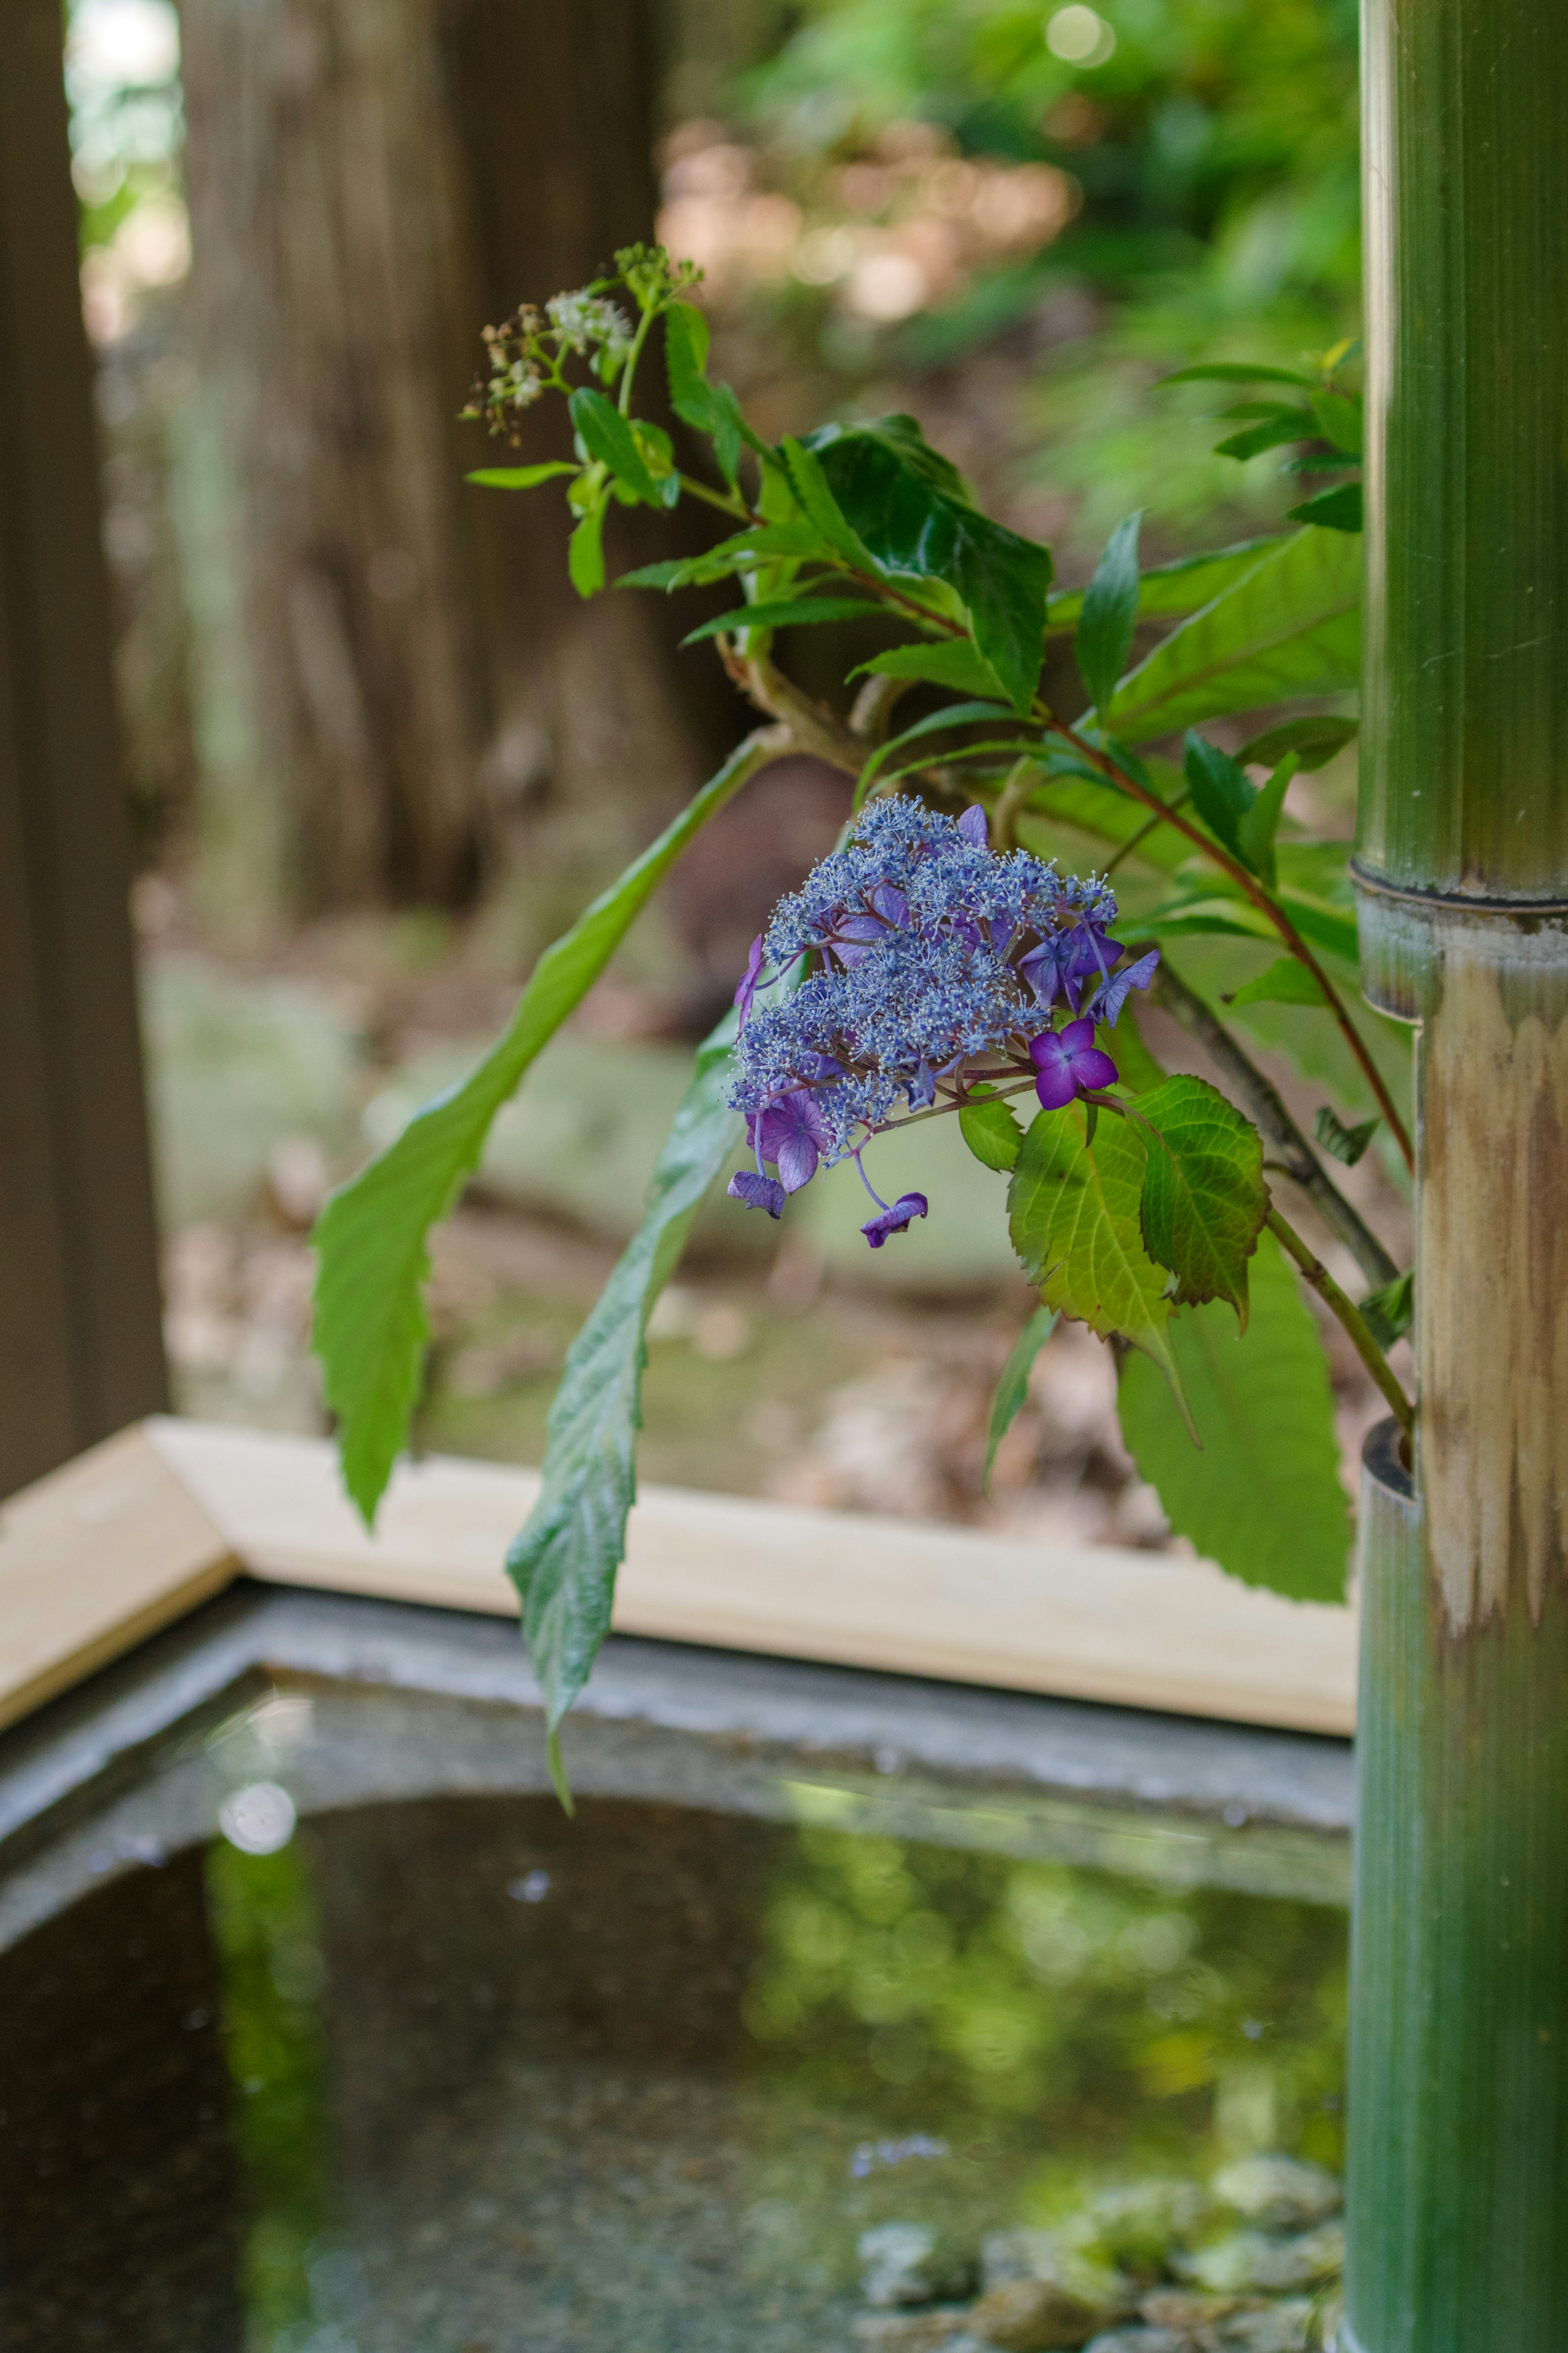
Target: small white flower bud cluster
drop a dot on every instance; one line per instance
(587, 322)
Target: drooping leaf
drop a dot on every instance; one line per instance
(1072, 1211)
(992, 1132)
(1390, 1314)
(1286, 982)
(785, 613)
(1338, 509)
(1222, 792)
(1204, 1200)
(1280, 425)
(608, 436)
(564, 1561)
(1260, 823)
(370, 1329)
(1167, 590)
(1263, 1498)
(1288, 626)
(520, 478)
(1013, 1386)
(1314, 742)
(909, 508)
(1104, 636)
(711, 408)
(952, 662)
(747, 550)
(1346, 1143)
(585, 554)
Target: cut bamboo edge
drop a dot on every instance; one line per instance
(142, 1529)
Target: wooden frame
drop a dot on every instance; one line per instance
(154, 1521)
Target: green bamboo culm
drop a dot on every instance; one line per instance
(1459, 2122)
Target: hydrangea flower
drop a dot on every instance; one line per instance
(932, 964)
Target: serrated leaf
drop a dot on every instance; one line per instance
(1204, 1200)
(992, 1132)
(1104, 636)
(953, 662)
(519, 477)
(1167, 590)
(370, 1328)
(1340, 509)
(1263, 1498)
(909, 507)
(1389, 1315)
(1290, 626)
(1072, 1211)
(564, 1561)
(812, 487)
(1347, 1144)
(608, 435)
(1314, 742)
(1013, 1386)
(785, 613)
(1286, 982)
(1222, 792)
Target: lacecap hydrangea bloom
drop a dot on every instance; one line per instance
(933, 970)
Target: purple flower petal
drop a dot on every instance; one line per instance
(1055, 1088)
(1067, 1063)
(1076, 1036)
(971, 825)
(757, 1192)
(1114, 994)
(748, 987)
(1091, 1068)
(794, 1134)
(895, 1220)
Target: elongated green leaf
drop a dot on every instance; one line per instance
(1263, 1498)
(785, 613)
(1314, 742)
(1340, 420)
(519, 477)
(949, 661)
(1284, 425)
(955, 714)
(1204, 1200)
(585, 554)
(1013, 1386)
(1222, 793)
(1390, 1314)
(910, 510)
(1261, 821)
(1167, 590)
(1072, 1210)
(370, 1328)
(564, 1560)
(764, 544)
(1234, 372)
(992, 1132)
(608, 436)
(1338, 509)
(1286, 982)
(1104, 636)
(1290, 626)
(812, 487)
(1347, 1144)
(711, 408)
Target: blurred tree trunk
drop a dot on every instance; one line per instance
(397, 675)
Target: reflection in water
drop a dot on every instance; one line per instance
(502, 2083)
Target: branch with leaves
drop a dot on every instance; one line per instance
(942, 963)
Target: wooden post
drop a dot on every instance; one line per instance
(80, 1352)
(1458, 2128)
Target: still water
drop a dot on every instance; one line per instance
(462, 2076)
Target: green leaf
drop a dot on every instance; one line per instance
(955, 714)
(1260, 824)
(1389, 1315)
(909, 507)
(585, 554)
(747, 550)
(1338, 509)
(811, 486)
(1110, 614)
(1286, 982)
(1313, 741)
(519, 477)
(1290, 626)
(608, 436)
(1013, 1386)
(564, 1560)
(1204, 1200)
(1233, 372)
(1222, 793)
(786, 613)
(1072, 1210)
(370, 1328)
(1346, 1143)
(711, 408)
(1269, 433)
(1263, 1498)
(992, 1132)
(951, 662)
(1170, 589)
(1136, 1066)
(1340, 420)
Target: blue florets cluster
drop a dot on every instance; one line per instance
(934, 963)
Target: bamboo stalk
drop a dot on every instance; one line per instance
(1459, 2155)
